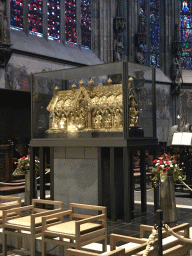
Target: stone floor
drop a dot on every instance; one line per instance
(184, 212)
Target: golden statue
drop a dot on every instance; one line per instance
(108, 119)
(98, 121)
(133, 113)
(133, 105)
(118, 119)
(63, 122)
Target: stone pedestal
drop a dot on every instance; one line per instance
(167, 200)
(76, 175)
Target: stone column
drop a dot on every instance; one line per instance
(102, 30)
(62, 21)
(78, 24)
(25, 17)
(44, 19)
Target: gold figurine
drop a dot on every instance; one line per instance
(133, 105)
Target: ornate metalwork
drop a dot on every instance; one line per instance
(87, 108)
(91, 108)
(133, 105)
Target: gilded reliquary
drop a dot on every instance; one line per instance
(89, 108)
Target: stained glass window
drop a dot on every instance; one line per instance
(70, 21)
(53, 15)
(142, 51)
(16, 7)
(154, 33)
(86, 23)
(35, 16)
(54, 19)
(186, 34)
(149, 24)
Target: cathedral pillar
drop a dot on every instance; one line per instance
(102, 29)
(5, 44)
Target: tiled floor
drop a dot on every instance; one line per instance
(184, 213)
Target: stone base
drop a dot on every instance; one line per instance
(86, 134)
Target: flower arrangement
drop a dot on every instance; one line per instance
(23, 165)
(166, 165)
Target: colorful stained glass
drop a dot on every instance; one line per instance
(142, 47)
(154, 32)
(86, 23)
(70, 21)
(35, 19)
(186, 34)
(35, 16)
(54, 19)
(185, 8)
(16, 7)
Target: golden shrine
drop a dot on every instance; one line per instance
(91, 108)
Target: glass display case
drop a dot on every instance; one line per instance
(115, 100)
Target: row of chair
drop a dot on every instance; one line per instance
(79, 229)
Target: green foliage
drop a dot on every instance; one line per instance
(23, 165)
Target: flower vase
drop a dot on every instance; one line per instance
(27, 187)
(167, 200)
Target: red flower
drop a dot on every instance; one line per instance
(155, 161)
(165, 170)
(161, 162)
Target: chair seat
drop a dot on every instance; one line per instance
(168, 239)
(69, 227)
(25, 221)
(95, 247)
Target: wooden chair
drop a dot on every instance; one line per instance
(8, 202)
(29, 225)
(75, 252)
(80, 229)
(171, 245)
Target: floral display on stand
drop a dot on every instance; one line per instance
(23, 165)
(166, 165)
